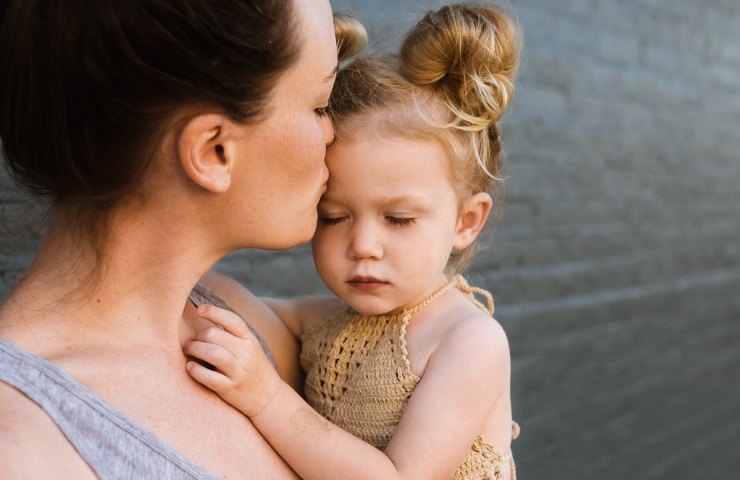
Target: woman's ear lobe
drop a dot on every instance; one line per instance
(475, 211)
(205, 153)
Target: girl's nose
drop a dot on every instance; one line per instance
(365, 242)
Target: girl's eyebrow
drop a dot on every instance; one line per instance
(410, 200)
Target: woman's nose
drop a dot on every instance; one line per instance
(365, 242)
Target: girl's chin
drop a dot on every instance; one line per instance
(364, 309)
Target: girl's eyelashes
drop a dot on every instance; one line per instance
(322, 111)
(326, 221)
(400, 221)
(396, 221)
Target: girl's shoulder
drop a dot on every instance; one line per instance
(473, 329)
(464, 319)
(472, 355)
(457, 332)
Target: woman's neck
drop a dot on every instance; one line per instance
(133, 289)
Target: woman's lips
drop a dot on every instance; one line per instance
(366, 284)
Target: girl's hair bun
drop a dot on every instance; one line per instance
(351, 36)
(468, 54)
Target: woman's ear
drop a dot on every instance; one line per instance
(472, 218)
(206, 151)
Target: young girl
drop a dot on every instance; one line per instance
(414, 375)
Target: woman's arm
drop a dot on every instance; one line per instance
(463, 379)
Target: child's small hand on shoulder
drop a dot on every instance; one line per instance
(243, 375)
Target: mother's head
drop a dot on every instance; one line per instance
(110, 103)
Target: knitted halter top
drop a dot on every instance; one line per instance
(359, 377)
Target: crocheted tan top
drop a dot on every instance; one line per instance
(358, 376)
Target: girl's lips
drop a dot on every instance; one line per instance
(366, 284)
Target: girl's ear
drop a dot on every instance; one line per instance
(473, 217)
(206, 149)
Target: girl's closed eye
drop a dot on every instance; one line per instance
(322, 111)
(400, 221)
(328, 220)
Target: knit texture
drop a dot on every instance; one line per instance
(359, 377)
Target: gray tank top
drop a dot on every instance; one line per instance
(114, 446)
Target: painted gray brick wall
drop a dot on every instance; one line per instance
(616, 263)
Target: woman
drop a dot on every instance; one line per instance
(167, 134)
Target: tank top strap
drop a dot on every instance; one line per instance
(113, 445)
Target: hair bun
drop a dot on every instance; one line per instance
(469, 54)
(351, 36)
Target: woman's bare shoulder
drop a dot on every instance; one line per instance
(31, 445)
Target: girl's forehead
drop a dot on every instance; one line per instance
(385, 166)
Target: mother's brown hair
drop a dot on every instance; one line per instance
(88, 87)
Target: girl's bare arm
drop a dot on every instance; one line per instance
(463, 380)
(302, 314)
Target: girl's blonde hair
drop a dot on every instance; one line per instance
(350, 34)
(451, 82)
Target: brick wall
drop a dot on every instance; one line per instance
(616, 264)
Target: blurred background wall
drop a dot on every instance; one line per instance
(616, 263)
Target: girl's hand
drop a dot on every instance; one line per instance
(244, 376)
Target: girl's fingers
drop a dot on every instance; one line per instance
(229, 321)
(217, 336)
(239, 347)
(211, 353)
(213, 380)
